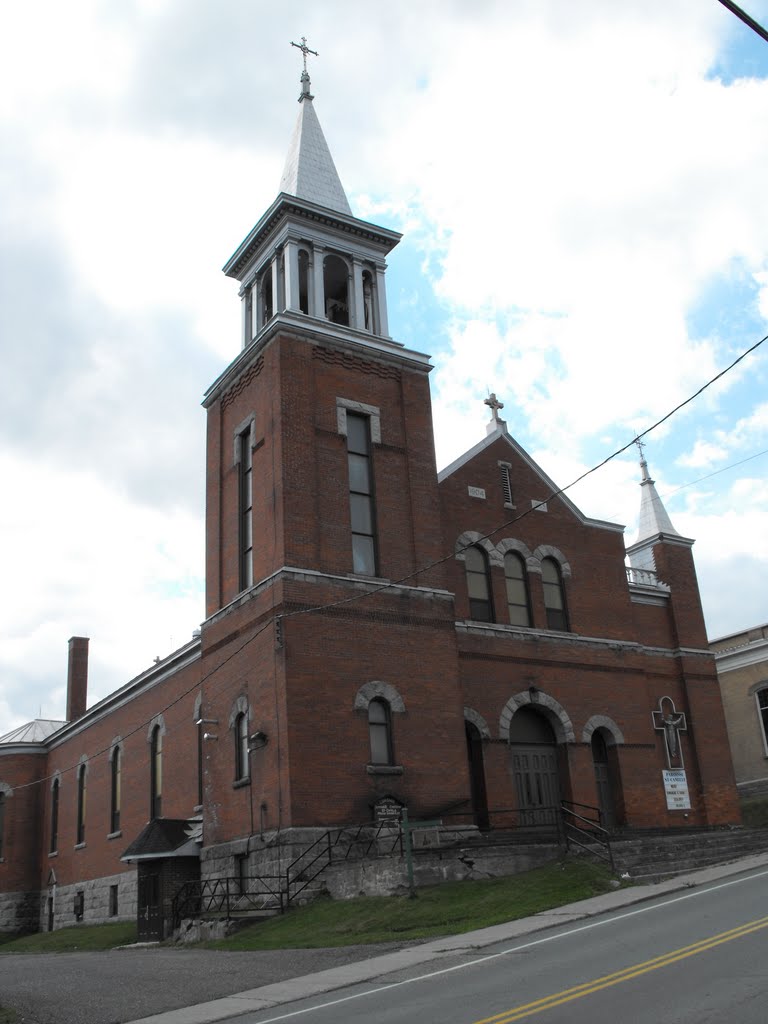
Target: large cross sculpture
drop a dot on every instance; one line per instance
(671, 722)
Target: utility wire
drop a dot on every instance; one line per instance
(735, 9)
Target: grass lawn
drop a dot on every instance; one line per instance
(446, 909)
(68, 940)
(8, 1016)
(437, 910)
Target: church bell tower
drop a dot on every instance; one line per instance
(325, 578)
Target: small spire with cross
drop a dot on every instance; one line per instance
(643, 464)
(305, 83)
(495, 423)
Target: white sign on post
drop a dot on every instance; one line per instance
(676, 789)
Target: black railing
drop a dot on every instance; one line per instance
(227, 897)
(584, 829)
(337, 845)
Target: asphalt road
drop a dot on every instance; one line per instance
(690, 958)
(125, 984)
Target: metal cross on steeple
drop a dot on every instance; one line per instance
(304, 50)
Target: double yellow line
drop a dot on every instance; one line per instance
(588, 987)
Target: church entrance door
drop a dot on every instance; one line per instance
(477, 776)
(535, 769)
(605, 780)
(149, 910)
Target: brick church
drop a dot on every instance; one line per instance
(467, 644)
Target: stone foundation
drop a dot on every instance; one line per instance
(18, 912)
(96, 902)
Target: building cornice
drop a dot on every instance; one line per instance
(299, 326)
(289, 206)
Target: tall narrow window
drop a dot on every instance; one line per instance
(380, 732)
(81, 794)
(200, 765)
(303, 280)
(245, 482)
(156, 773)
(518, 601)
(506, 484)
(361, 499)
(478, 585)
(116, 770)
(55, 816)
(762, 710)
(554, 595)
(2, 822)
(241, 747)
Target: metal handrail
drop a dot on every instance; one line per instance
(227, 896)
(593, 833)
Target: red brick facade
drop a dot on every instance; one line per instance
(307, 650)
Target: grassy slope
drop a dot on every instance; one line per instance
(446, 909)
(438, 910)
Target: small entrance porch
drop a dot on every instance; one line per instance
(166, 854)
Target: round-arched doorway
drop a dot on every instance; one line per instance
(535, 768)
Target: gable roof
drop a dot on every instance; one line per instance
(501, 434)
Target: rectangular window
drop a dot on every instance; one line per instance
(79, 907)
(362, 513)
(113, 901)
(2, 822)
(245, 500)
(506, 484)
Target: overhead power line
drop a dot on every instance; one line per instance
(755, 26)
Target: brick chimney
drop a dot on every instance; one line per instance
(77, 677)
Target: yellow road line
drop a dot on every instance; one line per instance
(634, 971)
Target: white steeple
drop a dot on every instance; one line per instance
(653, 516)
(309, 171)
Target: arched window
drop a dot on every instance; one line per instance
(554, 595)
(156, 773)
(81, 804)
(518, 600)
(200, 728)
(54, 816)
(116, 766)
(380, 731)
(242, 766)
(761, 696)
(478, 585)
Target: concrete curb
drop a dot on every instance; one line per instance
(364, 970)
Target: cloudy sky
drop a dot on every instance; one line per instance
(582, 188)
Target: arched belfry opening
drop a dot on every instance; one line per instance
(304, 281)
(535, 765)
(336, 287)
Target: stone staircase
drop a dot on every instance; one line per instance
(652, 855)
